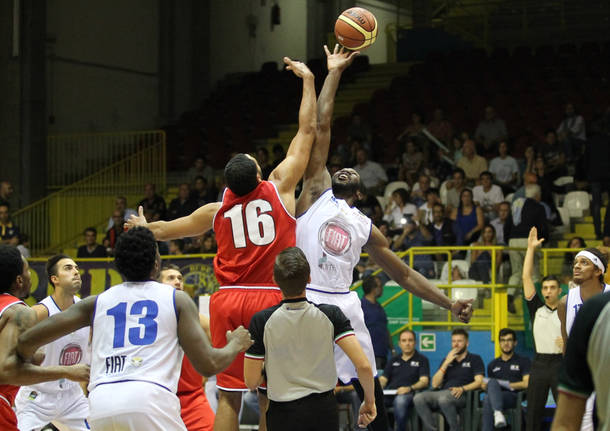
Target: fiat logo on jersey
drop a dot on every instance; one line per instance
(70, 355)
(334, 238)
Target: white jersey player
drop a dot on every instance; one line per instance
(140, 329)
(332, 235)
(588, 274)
(61, 402)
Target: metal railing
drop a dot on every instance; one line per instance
(72, 157)
(59, 219)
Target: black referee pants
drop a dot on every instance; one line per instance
(315, 412)
(543, 376)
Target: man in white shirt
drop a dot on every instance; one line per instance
(372, 174)
(505, 169)
(571, 131)
(488, 196)
(502, 223)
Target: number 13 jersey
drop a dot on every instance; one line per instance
(250, 231)
(135, 336)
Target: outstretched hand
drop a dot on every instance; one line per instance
(134, 221)
(298, 68)
(462, 309)
(532, 239)
(340, 59)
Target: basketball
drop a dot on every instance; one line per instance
(356, 28)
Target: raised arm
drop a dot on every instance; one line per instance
(529, 290)
(411, 280)
(195, 224)
(290, 171)
(206, 359)
(317, 178)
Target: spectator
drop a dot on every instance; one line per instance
(183, 205)
(384, 228)
(112, 235)
(418, 193)
(405, 373)
(487, 195)
(372, 175)
(6, 191)
(468, 218)
(399, 210)
(176, 247)
(480, 260)
(414, 128)
(359, 130)
(376, 319)
(410, 163)
(415, 235)
(440, 128)
(526, 213)
(91, 247)
(528, 178)
(472, 164)
(441, 230)
(278, 155)
(426, 215)
(153, 202)
(460, 372)
(369, 206)
(554, 156)
(9, 232)
(262, 157)
(527, 163)
(546, 188)
(457, 143)
(578, 243)
(201, 193)
(503, 223)
(505, 169)
(200, 168)
(120, 204)
(455, 186)
(571, 133)
(24, 245)
(490, 131)
(506, 374)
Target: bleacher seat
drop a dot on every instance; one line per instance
(576, 203)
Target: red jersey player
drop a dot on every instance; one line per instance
(15, 318)
(195, 410)
(254, 222)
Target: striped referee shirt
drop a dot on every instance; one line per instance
(296, 340)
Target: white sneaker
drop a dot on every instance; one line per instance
(499, 419)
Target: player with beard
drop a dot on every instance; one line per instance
(546, 329)
(588, 272)
(15, 318)
(60, 402)
(332, 233)
(460, 372)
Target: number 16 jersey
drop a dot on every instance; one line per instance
(135, 336)
(251, 230)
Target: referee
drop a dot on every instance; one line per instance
(547, 337)
(294, 341)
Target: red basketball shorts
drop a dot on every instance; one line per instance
(230, 308)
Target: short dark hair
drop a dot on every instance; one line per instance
(459, 331)
(438, 204)
(198, 177)
(552, 278)
(5, 205)
(135, 254)
(90, 229)
(179, 243)
(486, 173)
(291, 271)
(403, 193)
(51, 265)
(507, 331)
(459, 171)
(11, 266)
(240, 174)
(369, 283)
(407, 330)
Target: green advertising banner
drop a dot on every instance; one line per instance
(100, 274)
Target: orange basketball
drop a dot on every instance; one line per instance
(356, 28)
